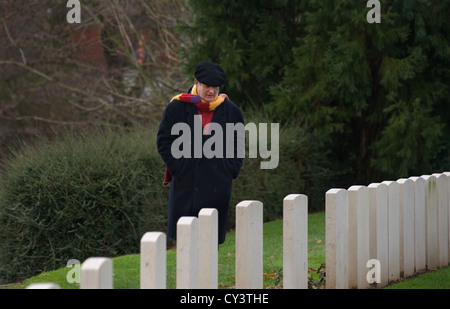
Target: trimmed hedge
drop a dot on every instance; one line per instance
(78, 197)
(97, 194)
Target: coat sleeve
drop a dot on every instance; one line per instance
(235, 163)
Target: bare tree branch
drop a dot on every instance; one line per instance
(55, 73)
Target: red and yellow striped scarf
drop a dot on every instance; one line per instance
(204, 108)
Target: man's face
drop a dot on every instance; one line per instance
(207, 93)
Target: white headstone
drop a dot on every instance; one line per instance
(393, 230)
(208, 248)
(97, 273)
(406, 208)
(448, 209)
(153, 261)
(431, 221)
(419, 224)
(336, 238)
(379, 242)
(442, 215)
(187, 253)
(249, 245)
(295, 241)
(358, 233)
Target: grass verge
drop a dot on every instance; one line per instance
(126, 268)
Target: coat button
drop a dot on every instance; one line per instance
(196, 189)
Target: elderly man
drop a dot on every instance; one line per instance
(199, 181)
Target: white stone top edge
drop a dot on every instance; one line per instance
(291, 197)
(152, 236)
(249, 203)
(207, 211)
(335, 190)
(187, 220)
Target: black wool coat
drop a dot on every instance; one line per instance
(198, 182)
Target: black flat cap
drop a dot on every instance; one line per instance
(210, 74)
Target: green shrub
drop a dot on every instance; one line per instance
(96, 194)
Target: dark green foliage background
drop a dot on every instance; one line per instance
(375, 96)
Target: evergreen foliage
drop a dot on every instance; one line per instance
(374, 95)
(379, 90)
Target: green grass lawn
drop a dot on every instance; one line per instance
(438, 279)
(126, 268)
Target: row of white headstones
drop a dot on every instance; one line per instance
(403, 224)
